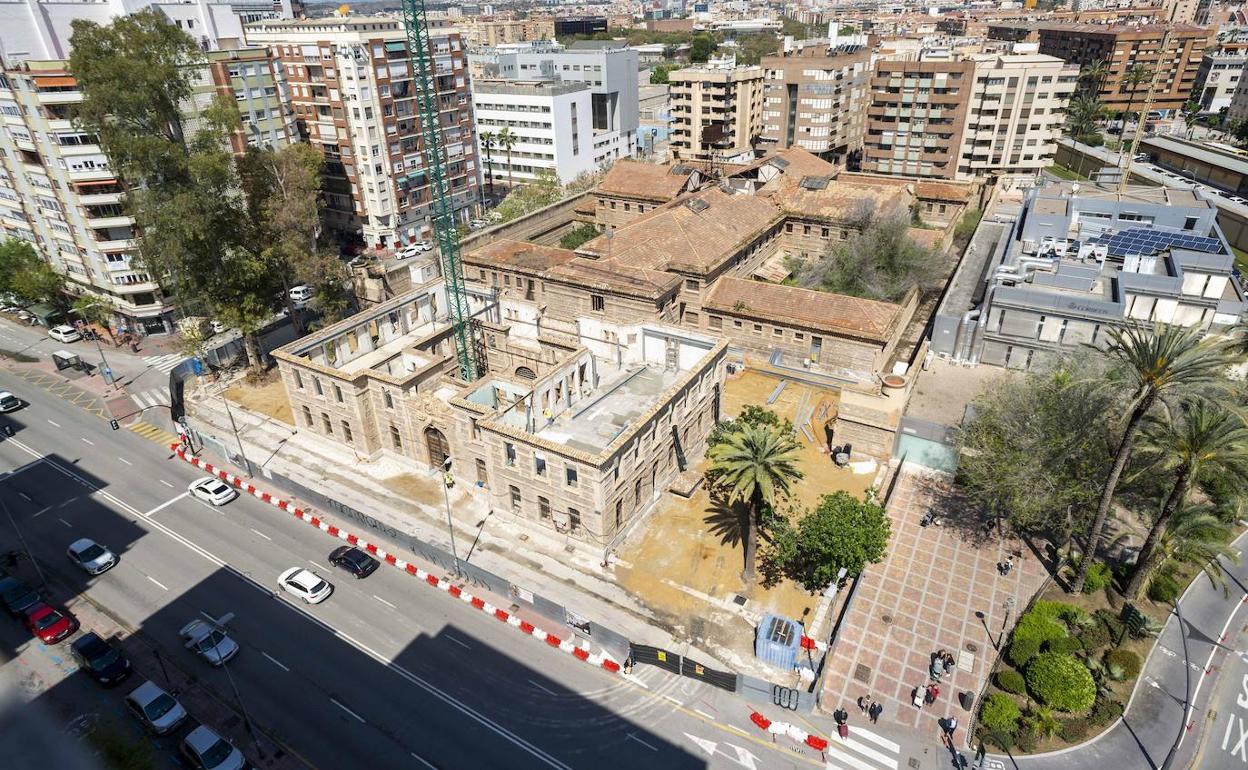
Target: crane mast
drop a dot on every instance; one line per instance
(420, 49)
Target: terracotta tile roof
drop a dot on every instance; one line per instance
(944, 191)
(794, 160)
(694, 233)
(518, 255)
(647, 181)
(794, 306)
(594, 275)
(838, 201)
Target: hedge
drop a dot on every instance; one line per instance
(1122, 664)
(1060, 681)
(999, 713)
(1011, 681)
(1022, 650)
(1039, 626)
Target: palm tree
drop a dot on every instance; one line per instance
(755, 465)
(1082, 114)
(1154, 363)
(1094, 74)
(488, 138)
(507, 140)
(1196, 537)
(1133, 77)
(1207, 438)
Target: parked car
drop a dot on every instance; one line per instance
(102, 661)
(305, 584)
(206, 750)
(156, 710)
(406, 252)
(17, 597)
(9, 402)
(91, 556)
(353, 560)
(208, 642)
(213, 491)
(49, 624)
(299, 296)
(64, 334)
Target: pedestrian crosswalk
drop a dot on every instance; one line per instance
(862, 749)
(152, 433)
(164, 363)
(153, 397)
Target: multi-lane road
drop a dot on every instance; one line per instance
(386, 672)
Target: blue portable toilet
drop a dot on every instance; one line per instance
(778, 641)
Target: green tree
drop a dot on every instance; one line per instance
(701, 47)
(507, 140)
(755, 466)
(542, 192)
(1201, 438)
(879, 262)
(1083, 115)
(96, 310)
(1195, 538)
(39, 282)
(1151, 364)
(658, 75)
(1060, 681)
(1093, 76)
(488, 140)
(1136, 75)
(841, 532)
(575, 237)
(15, 257)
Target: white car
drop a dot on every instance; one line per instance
(159, 711)
(305, 584)
(9, 402)
(407, 252)
(212, 491)
(206, 750)
(64, 334)
(91, 556)
(299, 296)
(208, 642)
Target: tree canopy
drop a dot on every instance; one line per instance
(841, 532)
(24, 275)
(879, 262)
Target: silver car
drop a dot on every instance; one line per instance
(91, 556)
(208, 642)
(156, 709)
(206, 750)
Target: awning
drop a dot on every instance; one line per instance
(43, 312)
(55, 81)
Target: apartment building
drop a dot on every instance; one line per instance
(354, 97)
(917, 116)
(41, 29)
(717, 111)
(551, 123)
(1218, 78)
(814, 97)
(1016, 113)
(484, 31)
(1122, 47)
(609, 71)
(255, 83)
(1179, 11)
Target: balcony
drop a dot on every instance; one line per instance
(110, 221)
(59, 97)
(99, 200)
(92, 175)
(125, 244)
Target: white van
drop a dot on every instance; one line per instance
(299, 295)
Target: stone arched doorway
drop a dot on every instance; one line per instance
(439, 447)
(525, 373)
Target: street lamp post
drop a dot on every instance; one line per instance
(1009, 607)
(1187, 693)
(446, 495)
(109, 378)
(237, 438)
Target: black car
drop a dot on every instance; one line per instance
(17, 597)
(353, 560)
(103, 662)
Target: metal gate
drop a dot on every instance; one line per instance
(656, 656)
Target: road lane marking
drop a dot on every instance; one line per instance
(383, 601)
(314, 563)
(261, 534)
(25, 497)
(275, 661)
(124, 460)
(164, 505)
(88, 441)
(423, 761)
(40, 513)
(546, 690)
(157, 582)
(66, 523)
(166, 483)
(456, 641)
(349, 711)
(67, 502)
(703, 713)
(634, 737)
(54, 425)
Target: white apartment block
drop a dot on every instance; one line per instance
(41, 29)
(610, 73)
(717, 111)
(1217, 79)
(1015, 115)
(551, 122)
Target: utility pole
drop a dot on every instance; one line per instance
(1187, 692)
(1139, 124)
(447, 481)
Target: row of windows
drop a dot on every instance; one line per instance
(320, 390)
(544, 509)
(328, 426)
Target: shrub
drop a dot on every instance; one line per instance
(1067, 644)
(1104, 712)
(1027, 738)
(1164, 588)
(1113, 624)
(1061, 682)
(1091, 140)
(1022, 650)
(1095, 638)
(1099, 577)
(1011, 681)
(999, 714)
(1040, 626)
(1073, 730)
(1122, 664)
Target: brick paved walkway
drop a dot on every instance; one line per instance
(922, 598)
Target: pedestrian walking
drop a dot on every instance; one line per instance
(951, 724)
(864, 701)
(932, 693)
(947, 664)
(874, 712)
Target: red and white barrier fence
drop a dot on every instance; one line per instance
(581, 653)
(813, 644)
(791, 730)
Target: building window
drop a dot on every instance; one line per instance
(539, 465)
(298, 380)
(329, 426)
(1190, 223)
(570, 475)
(758, 328)
(346, 431)
(596, 303)
(619, 513)
(395, 439)
(389, 399)
(307, 416)
(691, 318)
(778, 332)
(691, 284)
(338, 394)
(515, 498)
(543, 508)
(574, 519)
(509, 454)
(316, 385)
(715, 322)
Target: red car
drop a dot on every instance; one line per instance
(50, 624)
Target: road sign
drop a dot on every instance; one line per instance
(114, 425)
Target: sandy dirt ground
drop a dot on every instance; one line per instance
(269, 398)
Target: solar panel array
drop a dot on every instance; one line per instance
(1148, 240)
(815, 182)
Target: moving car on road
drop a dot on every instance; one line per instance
(17, 597)
(206, 750)
(9, 402)
(103, 662)
(49, 624)
(91, 556)
(208, 642)
(353, 560)
(64, 333)
(156, 709)
(212, 491)
(305, 584)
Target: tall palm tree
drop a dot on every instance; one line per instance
(755, 465)
(1133, 77)
(1205, 437)
(1094, 75)
(507, 140)
(1196, 537)
(1083, 113)
(488, 139)
(1153, 363)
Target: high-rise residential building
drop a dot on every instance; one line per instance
(41, 29)
(917, 115)
(717, 111)
(254, 82)
(606, 67)
(814, 97)
(550, 122)
(1217, 79)
(489, 31)
(354, 97)
(1121, 47)
(1179, 11)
